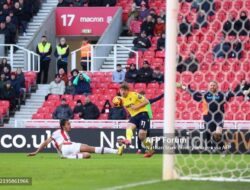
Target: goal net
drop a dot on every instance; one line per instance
(213, 86)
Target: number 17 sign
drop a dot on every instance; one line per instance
(79, 21)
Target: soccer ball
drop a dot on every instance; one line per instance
(117, 101)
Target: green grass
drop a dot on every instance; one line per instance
(101, 171)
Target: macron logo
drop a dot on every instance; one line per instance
(91, 19)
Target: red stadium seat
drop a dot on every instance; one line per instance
(43, 110)
(229, 116)
(186, 77)
(245, 107)
(48, 116)
(180, 106)
(68, 97)
(160, 54)
(140, 85)
(153, 86)
(185, 115)
(198, 77)
(114, 86)
(239, 116)
(186, 97)
(54, 97)
(38, 116)
(79, 97)
(191, 106)
(196, 115)
(4, 103)
(49, 103)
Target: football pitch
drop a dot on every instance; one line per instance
(101, 172)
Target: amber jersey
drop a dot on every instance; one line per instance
(134, 98)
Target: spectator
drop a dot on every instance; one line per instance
(157, 75)
(63, 111)
(6, 71)
(153, 14)
(189, 64)
(222, 49)
(139, 2)
(8, 93)
(108, 3)
(12, 29)
(21, 17)
(229, 25)
(44, 49)
(159, 27)
(20, 77)
(201, 20)
(15, 83)
(79, 3)
(70, 89)
(161, 43)
(117, 112)
(148, 26)
(162, 15)
(242, 25)
(143, 12)
(118, 76)
(236, 50)
(208, 7)
(57, 86)
(78, 109)
(4, 64)
(82, 85)
(4, 30)
(185, 27)
(63, 76)
(86, 55)
(74, 74)
(26, 14)
(90, 110)
(62, 53)
(95, 3)
(2, 82)
(141, 43)
(243, 89)
(62, 3)
(145, 73)
(132, 74)
(106, 107)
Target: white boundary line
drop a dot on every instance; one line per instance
(132, 185)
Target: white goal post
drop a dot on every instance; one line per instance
(169, 85)
(207, 163)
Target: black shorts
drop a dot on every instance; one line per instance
(141, 121)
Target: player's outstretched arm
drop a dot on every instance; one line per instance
(197, 96)
(41, 147)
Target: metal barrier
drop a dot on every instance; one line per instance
(20, 57)
(93, 56)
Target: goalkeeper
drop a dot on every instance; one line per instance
(213, 102)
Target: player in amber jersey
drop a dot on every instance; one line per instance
(136, 106)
